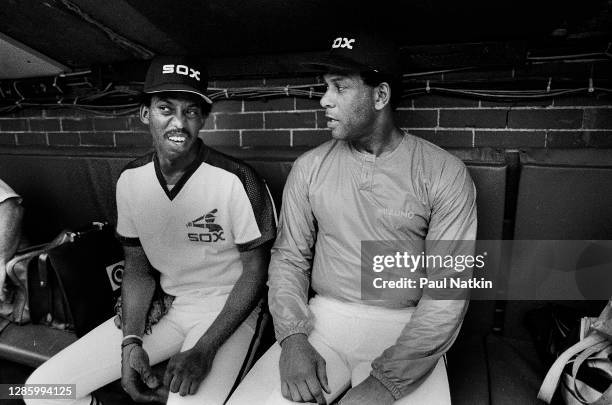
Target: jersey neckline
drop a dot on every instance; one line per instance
(193, 166)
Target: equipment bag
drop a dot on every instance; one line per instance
(583, 373)
(16, 307)
(78, 281)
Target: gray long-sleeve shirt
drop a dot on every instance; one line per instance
(335, 198)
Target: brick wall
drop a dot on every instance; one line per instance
(568, 122)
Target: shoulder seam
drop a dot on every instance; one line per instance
(138, 162)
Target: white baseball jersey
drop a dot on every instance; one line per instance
(192, 233)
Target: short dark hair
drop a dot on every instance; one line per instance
(146, 98)
(395, 82)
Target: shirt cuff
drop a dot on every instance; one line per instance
(393, 389)
(244, 247)
(12, 197)
(295, 327)
(127, 241)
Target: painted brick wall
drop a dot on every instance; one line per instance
(568, 122)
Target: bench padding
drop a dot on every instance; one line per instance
(71, 190)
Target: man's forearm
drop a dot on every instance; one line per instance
(137, 291)
(418, 349)
(136, 295)
(288, 298)
(243, 298)
(11, 214)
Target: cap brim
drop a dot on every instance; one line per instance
(177, 87)
(331, 63)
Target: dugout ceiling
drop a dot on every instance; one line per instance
(250, 37)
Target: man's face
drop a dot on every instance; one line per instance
(174, 120)
(349, 106)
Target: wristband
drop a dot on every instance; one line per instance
(131, 340)
(132, 336)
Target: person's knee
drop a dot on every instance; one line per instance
(42, 375)
(35, 378)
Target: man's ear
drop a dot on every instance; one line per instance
(382, 94)
(145, 111)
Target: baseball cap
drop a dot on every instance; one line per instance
(177, 73)
(360, 52)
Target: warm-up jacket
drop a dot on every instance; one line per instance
(335, 198)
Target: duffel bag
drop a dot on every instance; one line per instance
(583, 373)
(78, 281)
(15, 306)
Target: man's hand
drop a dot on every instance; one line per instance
(187, 370)
(137, 378)
(369, 391)
(2, 279)
(302, 371)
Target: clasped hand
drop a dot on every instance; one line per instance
(186, 370)
(302, 370)
(137, 378)
(304, 377)
(184, 373)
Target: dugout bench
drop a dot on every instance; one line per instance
(521, 195)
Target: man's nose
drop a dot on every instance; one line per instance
(326, 100)
(178, 121)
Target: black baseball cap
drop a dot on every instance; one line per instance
(360, 52)
(177, 73)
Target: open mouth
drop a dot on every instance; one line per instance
(331, 121)
(177, 138)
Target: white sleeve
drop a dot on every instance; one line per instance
(6, 192)
(242, 217)
(125, 225)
